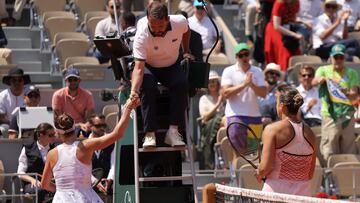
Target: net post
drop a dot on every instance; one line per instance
(208, 193)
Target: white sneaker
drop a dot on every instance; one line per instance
(174, 138)
(149, 141)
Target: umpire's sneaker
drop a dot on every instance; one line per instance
(174, 138)
(149, 141)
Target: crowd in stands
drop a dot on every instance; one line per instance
(246, 91)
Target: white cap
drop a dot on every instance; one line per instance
(213, 75)
(272, 67)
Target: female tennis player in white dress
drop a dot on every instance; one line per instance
(70, 162)
(288, 156)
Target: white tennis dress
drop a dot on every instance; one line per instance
(73, 178)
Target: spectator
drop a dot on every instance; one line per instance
(73, 100)
(263, 8)
(211, 107)
(276, 49)
(250, 15)
(354, 18)
(12, 97)
(196, 46)
(107, 26)
(32, 159)
(16, 13)
(268, 104)
(309, 10)
(5, 53)
(242, 84)
(156, 50)
(201, 23)
(331, 28)
(338, 87)
(31, 99)
(312, 104)
(103, 158)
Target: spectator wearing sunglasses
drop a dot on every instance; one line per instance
(311, 109)
(73, 100)
(31, 99)
(104, 158)
(201, 24)
(32, 159)
(331, 28)
(242, 84)
(272, 74)
(12, 97)
(338, 88)
(107, 26)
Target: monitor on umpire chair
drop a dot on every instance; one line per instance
(114, 48)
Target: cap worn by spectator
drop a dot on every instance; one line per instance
(240, 47)
(32, 89)
(198, 3)
(338, 49)
(71, 72)
(333, 2)
(16, 72)
(272, 67)
(213, 75)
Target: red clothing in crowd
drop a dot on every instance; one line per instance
(275, 52)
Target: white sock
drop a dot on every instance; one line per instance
(150, 134)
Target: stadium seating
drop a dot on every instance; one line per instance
(247, 178)
(111, 120)
(81, 60)
(69, 35)
(69, 48)
(111, 108)
(84, 6)
(303, 58)
(91, 26)
(51, 26)
(346, 177)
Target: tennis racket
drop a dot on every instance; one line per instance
(249, 147)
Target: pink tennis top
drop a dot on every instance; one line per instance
(291, 173)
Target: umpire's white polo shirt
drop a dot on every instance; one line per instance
(160, 51)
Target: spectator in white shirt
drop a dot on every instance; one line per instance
(107, 26)
(331, 28)
(242, 84)
(32, 159)
(354, 18)
(12, 97)
(104, 158)
(311, 109)
(201, 23)
(309, 10)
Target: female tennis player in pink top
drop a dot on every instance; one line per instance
(288, 156)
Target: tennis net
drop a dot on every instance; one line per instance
(227, 194)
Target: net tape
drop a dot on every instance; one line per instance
(234, 194)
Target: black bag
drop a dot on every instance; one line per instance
(289, 42)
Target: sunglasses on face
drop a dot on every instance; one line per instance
(17, 80)
(331, 6)
(199, 8)
(73, 79)
(103, 125)
(243, 55)
(117, 7)
(273, 73)
(307, 75)
(339, 57)
(34, 95)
